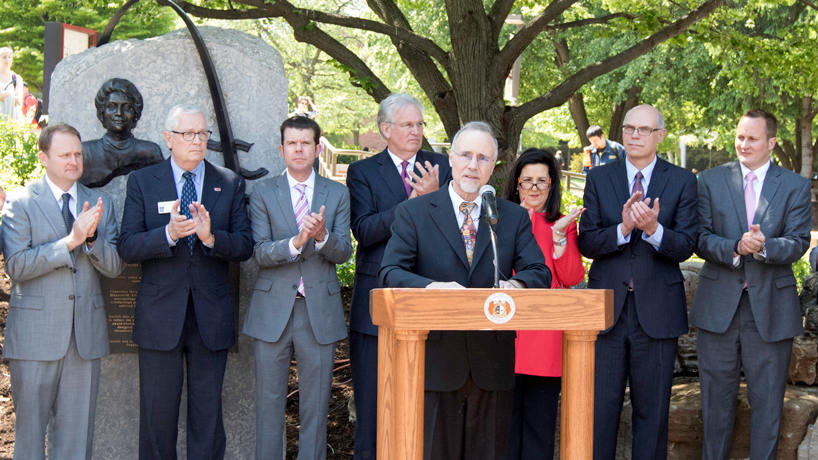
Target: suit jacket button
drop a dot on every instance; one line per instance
(74, 270)
(740, 281)
(295, 286)
(633, 256)
(303, 260)
(71, 297)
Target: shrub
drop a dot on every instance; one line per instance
(346, 271)
(19, 163)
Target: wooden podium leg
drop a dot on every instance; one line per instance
(401, 380)
(577, 416)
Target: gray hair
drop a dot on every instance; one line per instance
(481, 126)
(394, 102)
(172, 120)
(659, 116)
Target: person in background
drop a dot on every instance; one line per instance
(31, 107)
(534, 183)
(377, 185)
(603, 150)
(11, 87)
(301, 109)
(560, 159)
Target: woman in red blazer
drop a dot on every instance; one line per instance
(534, 182)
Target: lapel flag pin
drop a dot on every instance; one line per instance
(217, 189)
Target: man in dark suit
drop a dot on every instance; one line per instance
(184, 220)
(637, 250)
(439, 242)
(376, 186)
(754, 222)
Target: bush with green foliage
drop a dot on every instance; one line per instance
(19, 163)
(346, 271)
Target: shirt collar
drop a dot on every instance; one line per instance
(57, 192)
(198, 172)
(398, 161)
(646, 172)
(310, 182)
(760, 172)
(457, 199)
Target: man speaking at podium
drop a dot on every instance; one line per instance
(439, 242)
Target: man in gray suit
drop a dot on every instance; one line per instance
(300, 225)
(56, 247)
(754, 222)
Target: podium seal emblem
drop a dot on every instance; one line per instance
(499, 308)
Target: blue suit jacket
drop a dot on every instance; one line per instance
(658, 282)
(375, 189)
(170, 273)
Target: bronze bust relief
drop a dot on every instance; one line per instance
(118, 152)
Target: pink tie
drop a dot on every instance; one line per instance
(302, 209)
(750, 198)
(403, 175)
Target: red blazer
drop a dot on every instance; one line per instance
(540, 352)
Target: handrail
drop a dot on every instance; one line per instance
(574, 181)
(328, 160)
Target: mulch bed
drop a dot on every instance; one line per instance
(340, 430)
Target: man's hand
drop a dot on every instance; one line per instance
(93, 229)
(427, 182)
(512, 284)
(644, 217)
(751, 241)
(82, 224)
(445, 285)
(180, 226)
(201, 217)
(627, 222)
(315, 225)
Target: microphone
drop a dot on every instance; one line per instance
(489, 204)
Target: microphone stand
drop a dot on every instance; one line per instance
(494, 248)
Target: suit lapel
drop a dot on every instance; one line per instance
(390, 175)
(212, 181)
(285, 202)
(442, 214)
(319, 194)
(658, 180)
(736, 187)
(619, 180)
(771, 183)
(483, 240)
(165, 185)
(49, 207)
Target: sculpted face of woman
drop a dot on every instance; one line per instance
(533, 186)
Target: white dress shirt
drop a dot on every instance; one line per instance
(398, 161)
(761, 174)
(655, 240)
(475, 212)
(295, 195)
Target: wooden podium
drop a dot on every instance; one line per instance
(405, 316)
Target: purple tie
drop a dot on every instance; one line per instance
(302, 209)
(403, 176)
(750, 198)
(637, 187)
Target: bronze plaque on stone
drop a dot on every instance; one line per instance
(120, 302)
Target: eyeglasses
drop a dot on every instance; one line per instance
(466, 157)
(408, 126)
(642, 130)
(539, 185)
(190, 135)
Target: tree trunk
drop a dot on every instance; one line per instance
(620, 109)
(576, 105)
(807, 116)
(787, 155)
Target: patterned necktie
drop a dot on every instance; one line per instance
(467, 230)
(403, 176)
(302, 209)
(188, 197)
(67, 217)
(750, 198)
(637, 187)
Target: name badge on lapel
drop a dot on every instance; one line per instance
(165, 207)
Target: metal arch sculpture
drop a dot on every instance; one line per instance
(228, 145)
